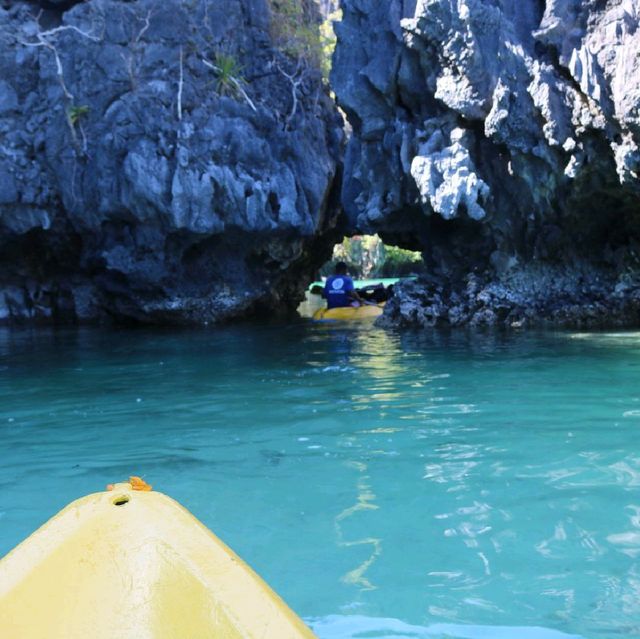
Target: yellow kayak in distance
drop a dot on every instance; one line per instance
(349, 313)
(134, 564)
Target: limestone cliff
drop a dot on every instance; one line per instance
(159, 161)
(501, 139)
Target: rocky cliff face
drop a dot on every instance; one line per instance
(501, 138)
(159, 161)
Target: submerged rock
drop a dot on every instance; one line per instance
(501, 139)
(139, 180)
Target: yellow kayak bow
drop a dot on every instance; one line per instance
(134, 564)
(349, 313)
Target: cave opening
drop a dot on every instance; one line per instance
(369, 257)
(374, 266)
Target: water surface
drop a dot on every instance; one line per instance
(465, 485)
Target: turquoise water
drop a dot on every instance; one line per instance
(386, 485)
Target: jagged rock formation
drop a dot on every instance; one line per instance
(138, 181)
(501, 138)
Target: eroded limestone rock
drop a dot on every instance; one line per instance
(497, 137)
(134, 185)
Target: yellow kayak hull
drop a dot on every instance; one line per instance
(135, 565)
(349, 313)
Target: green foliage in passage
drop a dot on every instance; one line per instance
(76, 112)
(399, 262)
(328, 42)
(367, 256)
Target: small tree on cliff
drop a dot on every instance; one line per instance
(295, 31)
(48, 40)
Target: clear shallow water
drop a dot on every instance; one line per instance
(386, 485)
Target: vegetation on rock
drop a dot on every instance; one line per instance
(299, 32)
(295, 30)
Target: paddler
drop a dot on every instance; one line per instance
(339, 290)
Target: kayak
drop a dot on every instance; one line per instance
(349, 313)
(134, 564)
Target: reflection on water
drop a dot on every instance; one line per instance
(365, 502)
(622, 338)
(387, 485)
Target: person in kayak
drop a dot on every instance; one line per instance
(339, 289)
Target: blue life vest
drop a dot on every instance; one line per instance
(335, 290)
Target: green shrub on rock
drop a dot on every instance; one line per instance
(299, 33)
(229, 75)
